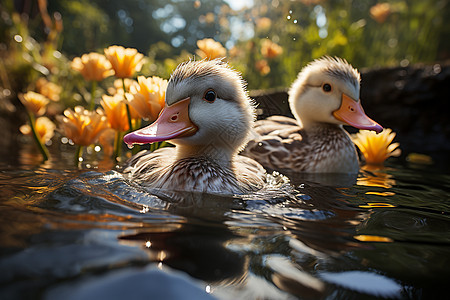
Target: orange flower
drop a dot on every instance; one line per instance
(209, 18)
(34, 102)
(118, 86)
(106, 140)
(262, 67)
(124, 61)
(263, 23)
(83, 127)
(376, 148)
(309, 2)
(44, 127)
(270, 50)
(116, 112)
(147, 96)
(93, 66)
(380, 12)
(234, 52)
(48, 89)
(210, 49)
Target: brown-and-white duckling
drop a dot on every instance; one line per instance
(323, 98)
(208, 116)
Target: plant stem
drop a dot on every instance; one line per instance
(117, 145)
(130, 124)
(93, 88)
(37, 139)
(137, 148)
(78, 154)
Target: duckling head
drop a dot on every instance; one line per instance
(207, 111)
(327, 91)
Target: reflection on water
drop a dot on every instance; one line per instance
(90, 234)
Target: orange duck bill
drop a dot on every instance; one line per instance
(352, 113)
(173, 122)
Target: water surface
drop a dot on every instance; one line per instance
(68, 233)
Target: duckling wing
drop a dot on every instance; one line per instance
(249, 173)
(274, 123)
(280, 143)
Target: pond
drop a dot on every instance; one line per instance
(69, 233)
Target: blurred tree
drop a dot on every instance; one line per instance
(368, 33)
(95, 24)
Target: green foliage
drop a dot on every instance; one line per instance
(88, 21)
(410, 32)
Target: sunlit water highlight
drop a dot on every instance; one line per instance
(91, 234)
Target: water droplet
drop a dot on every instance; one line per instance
(437, 69)
(130, 146)
(288, 17)
(18, 38)
(404, 62)
(295, 21)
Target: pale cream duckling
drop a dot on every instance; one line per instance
(323, 98)
(208, 116)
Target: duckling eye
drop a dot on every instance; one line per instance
(326, 87)
(210, 96)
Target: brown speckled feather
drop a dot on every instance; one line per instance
(159, 170)
(283, 144)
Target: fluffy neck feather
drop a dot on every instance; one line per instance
(221, 156)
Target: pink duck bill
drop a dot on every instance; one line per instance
(173, 122)
(352, 113)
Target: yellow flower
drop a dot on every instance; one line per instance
(373, 238)
(270, 50)
(34, 102)
(116, 112)
(380, 12)
(124, 61)
(147, 96)
(83, 127)
(376, 176)
(44, 127)
(210, 49)
(421, 159)
(93, 66)
(48, 89)
(376, 148)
